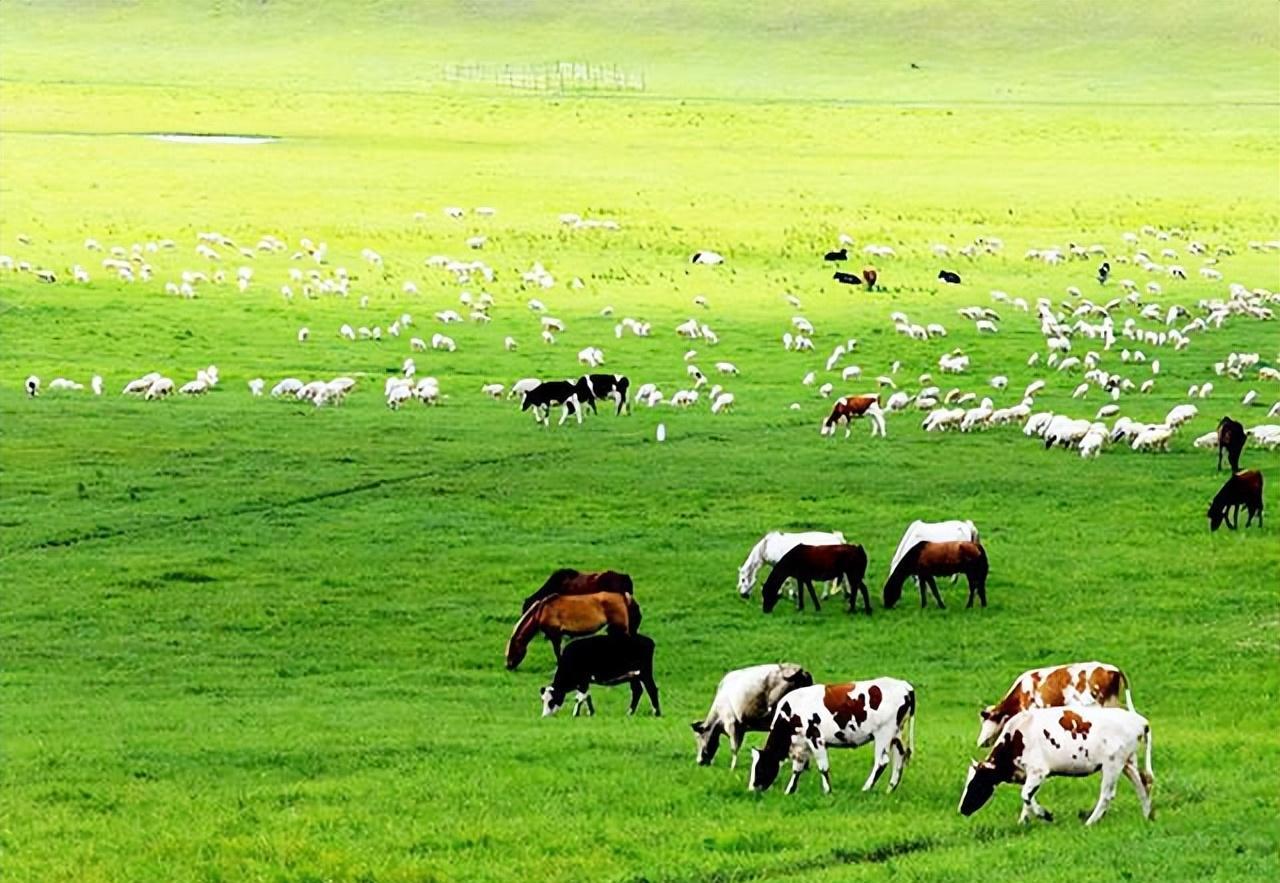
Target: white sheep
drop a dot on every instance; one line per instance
(493, 390)
(441, 342)
(726, 368)
(160, 387)
(509, 344)
(722, 403)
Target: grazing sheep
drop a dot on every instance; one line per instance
(441, 342)
(709, 258)
(159, 388)
(32, 386)
(726, 368)
(722, 403)
(509, 344)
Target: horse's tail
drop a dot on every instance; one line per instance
(633, 614)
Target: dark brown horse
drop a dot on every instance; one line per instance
(805, 564)
(1241, 489)
(574, 582)
(928, 560)
(572, 615)
(1231, 439)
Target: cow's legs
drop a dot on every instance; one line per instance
(1144, 795)
(651, 687)
(880, 763)
(577, 408)
(819, 749)
(736, 733)
(797, 767)
(1035, 778)
(580, 699)
(1110, 775)
(899, 754)
(564, 414)
(636, 691)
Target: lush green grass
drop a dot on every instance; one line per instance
(253, 640)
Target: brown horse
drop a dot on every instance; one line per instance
(1231, 439)
(572, 615)
(1241, 489)
(927, 560)
(805, 564)
(574, 582)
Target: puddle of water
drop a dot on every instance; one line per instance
(185, 138)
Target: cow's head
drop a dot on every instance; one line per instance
(524, 401)
(552, 699)
(979, 787)
(708, 741)
(764, 770)
(991, 725)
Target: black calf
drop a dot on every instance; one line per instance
(606, 660)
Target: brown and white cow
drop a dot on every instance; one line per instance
(812, 719)
(849, 408)
(1078, 683)
(1044, 742)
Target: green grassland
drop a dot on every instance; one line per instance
(246, 639)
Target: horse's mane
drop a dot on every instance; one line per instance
(755, 558)
(906, 567)
(526, 624)
(551, 586)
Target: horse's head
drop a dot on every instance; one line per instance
(1216, 517)
(746, 579)
(515, 653)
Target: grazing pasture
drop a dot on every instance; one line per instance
(247, 637)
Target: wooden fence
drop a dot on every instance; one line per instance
(555, 76)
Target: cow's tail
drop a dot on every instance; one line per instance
(911, 732)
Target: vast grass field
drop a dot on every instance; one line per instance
(251, 639)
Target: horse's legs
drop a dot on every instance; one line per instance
(973, 590)
(933, 586)
(924, 598)
(554, 638)
(982, 589)
(800, 594)
(866, 598)
(814, 595)
(636, 690)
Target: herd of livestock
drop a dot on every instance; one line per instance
(1062, 720)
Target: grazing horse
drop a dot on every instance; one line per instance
(567, 581)
(851, 407)
(933, 532)
(572, 615)
(773, 546)
(806, 563)
(1231, 438)
(1241, 489)
(927, 560)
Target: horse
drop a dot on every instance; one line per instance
(567, 581)
(849, 408)
(1241, 489)
(933, 532)
(572, 615)
(770, 549)
(1231, 439)
(805, 563)
(926, 560)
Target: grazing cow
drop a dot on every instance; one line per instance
(949, 277)
(552, 392)
(606, 660)
(1231, 439)
(870, 276)
(849, 408)
(928, 560)
(567, 581)
(591, 387)
(847, 278)
(1079, 683)
(1104, 270)
(841, 255)
(745, 700)
(812, 719)
(1044, 742)
(1241, 489)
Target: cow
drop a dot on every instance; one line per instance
(851, 407)
(552, 392)
(1043, 742)
(846, 278)
(812, 719)
(606, 660)
(1104, 270)
(840, 255)
(949, 277)
(1231, 439)
(745, 701)
(591, 387)
(1074, 684)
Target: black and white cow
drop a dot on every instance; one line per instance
(549, 393)
(812, 719)
(603, 659)
(591, 387)
(1043, 742)
(745, 700)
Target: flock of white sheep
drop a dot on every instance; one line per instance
(1098, 347)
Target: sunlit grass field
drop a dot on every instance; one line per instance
(249, 639)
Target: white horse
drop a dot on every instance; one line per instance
(773, 546)
(934, 532)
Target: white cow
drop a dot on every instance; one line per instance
(933, 532)
(1043, 742)
(772, 546)
(745, 700)
(812, 719)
